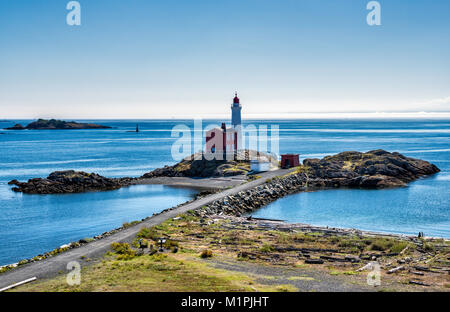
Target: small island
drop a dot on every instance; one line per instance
(54, 124)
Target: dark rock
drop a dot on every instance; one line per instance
(69, 181)
(314, 261)
(16, 127)
(419, 283)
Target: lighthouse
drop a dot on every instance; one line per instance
(224, 143)
(236, 112)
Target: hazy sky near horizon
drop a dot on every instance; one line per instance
(185, 58)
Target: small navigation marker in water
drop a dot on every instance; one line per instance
(137, 129)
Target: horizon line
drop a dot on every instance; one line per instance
(372, 115)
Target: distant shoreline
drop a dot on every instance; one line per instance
(54, 124)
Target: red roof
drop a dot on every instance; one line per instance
(236, 99)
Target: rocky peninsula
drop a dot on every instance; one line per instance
(53, 124)
(373, 169)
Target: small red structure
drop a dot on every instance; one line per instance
(221, 141)
(289, 161)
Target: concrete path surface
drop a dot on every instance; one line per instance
(52, 266)
(206, 183)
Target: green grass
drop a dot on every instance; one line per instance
(301, 278)
(334, 272)
(397, 247)
(128, 224)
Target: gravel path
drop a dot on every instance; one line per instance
(303, 279)
(50, 267)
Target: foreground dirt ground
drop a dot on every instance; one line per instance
(225, 253)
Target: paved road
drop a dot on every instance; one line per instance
(51, 266)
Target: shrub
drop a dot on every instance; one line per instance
(147, 233)
(170, 244)
(335, 239)
(381, 244)
(267, 248)
(398, 247)
(428, 247)
(284, 238)
(206, 254)
(128, 224)
(124, 251)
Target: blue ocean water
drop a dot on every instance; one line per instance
(32, 224)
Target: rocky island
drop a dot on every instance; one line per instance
(53, 124)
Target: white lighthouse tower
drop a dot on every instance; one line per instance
(236, 121)
(236, 112)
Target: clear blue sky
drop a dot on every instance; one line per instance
(182, 58)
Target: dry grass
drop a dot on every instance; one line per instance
(229, 238)
(159, 272)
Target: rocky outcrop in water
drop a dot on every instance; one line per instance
(374, 169)
(53, 124)
(69, 181)
(16, 127)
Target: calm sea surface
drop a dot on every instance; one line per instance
(32, 224)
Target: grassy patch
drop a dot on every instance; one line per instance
(301, 278)
(335, 272)
(266, 248)
(159, 272)
(123, 251)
